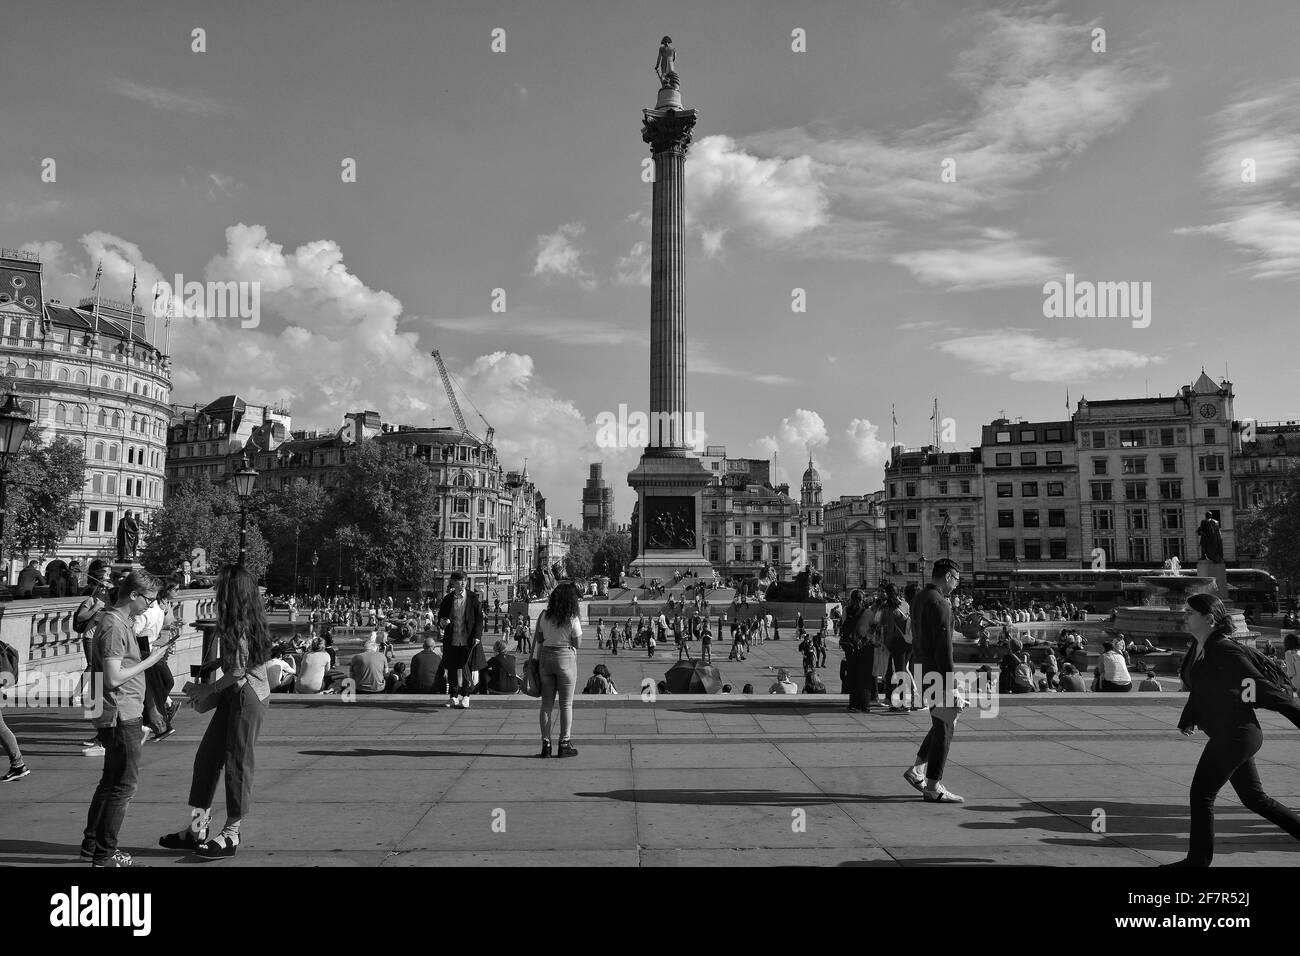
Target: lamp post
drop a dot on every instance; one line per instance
(922, 570)
(315, 559)
(245, 477)
(296, 529)
(14, 423)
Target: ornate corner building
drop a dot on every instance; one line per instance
(93, 374)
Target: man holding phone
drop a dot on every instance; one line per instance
(460, 615)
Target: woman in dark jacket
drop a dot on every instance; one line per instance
(1225, 689)
(855, 672)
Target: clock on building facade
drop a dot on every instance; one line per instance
(1209, 410)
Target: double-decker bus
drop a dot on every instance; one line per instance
(1249, 589)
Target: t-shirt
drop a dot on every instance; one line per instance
(459, 633)
(368, 671)
(568, 634)
(115, 638)
(1113, 668)
(784, 687)
(312, 677)
(276, 670)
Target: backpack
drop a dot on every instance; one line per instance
(1270, 670)
(81, 625)
(1022, 676)
(8, 665)
(595, 685)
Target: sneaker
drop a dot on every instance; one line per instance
(95, 750)
(917, 780)
(464, 703)
(92, 742)
(451, 702)
(172, 710)
(565, 750)
(166, 733)
(941, 794)
(15, 773)
(118, 859)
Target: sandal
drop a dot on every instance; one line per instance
(217, 848)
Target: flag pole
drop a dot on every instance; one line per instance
(99, 272)
(130, 323)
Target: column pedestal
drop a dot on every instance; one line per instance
(670, 518)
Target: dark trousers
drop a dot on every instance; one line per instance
(228, 745)
(455, 659)
(934, 749)
(158, 681)
(1230, 758)
(821, 654)
(117, 785)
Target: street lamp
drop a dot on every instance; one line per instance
(245, 477)
(315, 558)
(14, 422)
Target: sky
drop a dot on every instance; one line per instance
(817, 173)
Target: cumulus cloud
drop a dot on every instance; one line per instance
(634, 268)
(558, 255)
(868, 447)
(1025, 356)
(1261, 218)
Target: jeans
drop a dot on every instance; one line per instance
(117, 785)
(558, 672)
(1108, 688)
(10, 743)
(1230, 758)
(228, 744)
(934, 749)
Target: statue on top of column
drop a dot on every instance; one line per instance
(1211, 540)
(665, 65)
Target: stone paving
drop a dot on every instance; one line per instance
(683, 780)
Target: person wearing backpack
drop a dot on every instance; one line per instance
(1015, 675)
(85, 622)
(1227, 683)
(895, 635)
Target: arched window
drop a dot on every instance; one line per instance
(29, 371)
(78, 415)
(81, 377)
(130, 455)
(104, 382)
(97, 484)
(117, 419)
(63, 375)
(76, 443)
(119, 384)
(29, 408)
(103, 418)
(112, 453)
(110, 485)
(99, 451)
(60, 415)
(13, 369)
(135, 387)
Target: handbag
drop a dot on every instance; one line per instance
(202, 704)
(477, 658)
(531, 682)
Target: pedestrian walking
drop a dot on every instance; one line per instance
(932, 643)
(1226, 686)
(558, 637)
(17, 768)
(461, 616)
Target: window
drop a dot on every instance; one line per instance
(893, 490)
(1029, 458)
(735, 529)
(893, 541)
(1056, 549)
(1210, 463)
(1002, 458)
(1171, 490)
(1003, 438)
(1212, 487)
(965, 487)
(1027, 434)
(1056, 518)
(1053, 434)
(81, 378)
(1107, 545)
(1098, 439)
(1100, 466)
(1209, 436)
(967, 541)
(776, 552)
(119, 384)
(60, 415)
(460, 506)
(78, 415)
(1132, 437)
(776, 527)
(1138, 519)
(1171, 519)
(1005, 489)
(758, 550)
(1053, 457)
(97, 484)
(110, 485)
(910, 489)
(1056, 489)
(1166, 436)
(735, 551)
(1030, 519)
(108, 521)
(943, 487)
(112, 453)
(758, 527)
(1006, 519)
(1139, 550)
(1103, 519)
(909, 514)
(1135, 491)
(713, 545)
(911, 542)
(1029, 489)
(1033, 550)
(1007, 549)
(1133, 466)
(1173, 548)
(94, 521)
(1169, 466)
(1100, 490)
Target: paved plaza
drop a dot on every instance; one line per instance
(683, 780)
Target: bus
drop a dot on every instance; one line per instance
(1249, 589)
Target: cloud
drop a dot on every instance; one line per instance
(219, 185)
(16, 209)
(707, 365)
(634, 268)
(523, 321)
(558, 255)
(162, 99)
(1261, 218)
(1025, 356)
(868, 447)
(996, 259)
(795, 437)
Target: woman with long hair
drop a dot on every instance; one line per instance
(858, 656)
(242, 695)
(559, 635)
(1225, 689)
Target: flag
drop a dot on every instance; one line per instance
(130, 322)
(1067, 400)
(935, 414)
(99, 272)
(894, 415)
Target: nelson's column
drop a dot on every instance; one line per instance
(668, 524)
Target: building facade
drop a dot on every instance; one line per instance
(855, 542)
(811, 519)
(1031, 495)
(94, 375)
(597, 501)
(1150, 469)
(1265, 456)
(934, 508)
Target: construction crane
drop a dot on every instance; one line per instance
(455, 405)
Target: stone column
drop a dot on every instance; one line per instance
(668, 131)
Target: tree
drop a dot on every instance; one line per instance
(1273, 531)
(42, 488)
(296, 519)
(596, 552)
(201, 515)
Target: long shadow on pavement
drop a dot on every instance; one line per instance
(740, 798)
(1123, 819)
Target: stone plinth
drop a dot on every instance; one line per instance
(1217, 570)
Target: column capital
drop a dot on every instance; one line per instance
(668, 129)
